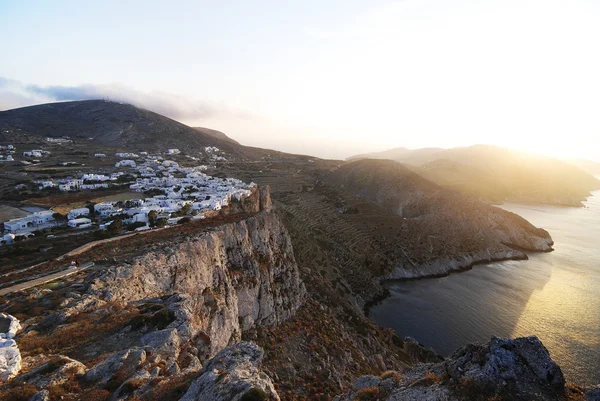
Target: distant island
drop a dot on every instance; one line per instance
(497, 175)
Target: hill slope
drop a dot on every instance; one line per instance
(441, 229)
(113, 124)
(498, 174)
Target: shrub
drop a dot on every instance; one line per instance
(21, 393)
(368, 394)
(391, 374)
(184, 220)
(254, 394)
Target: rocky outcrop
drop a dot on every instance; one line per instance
(126, 362)
(519, 369)
(10, 356)
(233, 375)
(53, 372)
(228, 280)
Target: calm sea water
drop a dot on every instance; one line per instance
(555, 296)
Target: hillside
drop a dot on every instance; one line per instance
(112, 124)
(440, 230)
(216, 134)
(496, 174)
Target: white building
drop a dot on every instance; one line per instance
(124, 155)
(31, 221)
(70, 185)
(81, 222)
(125, 163)
(74, 213)
(105, 209)
(173, 151)
(99, 155)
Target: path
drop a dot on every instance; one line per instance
(45, 279)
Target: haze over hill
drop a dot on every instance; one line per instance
(498, 174)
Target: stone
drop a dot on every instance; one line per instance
(126, 361)
(55, 371)
(43, 395)
(163, 342)
(519, 370)
(593, 394)
(230, 374)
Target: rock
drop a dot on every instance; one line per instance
(125, 361)
(265, 198)
(519, 370)
(163, 342)
(379, 361)
(593, 394)
(9, 325)
(55, 371)
(43, 395)
(129, 386)
(232, 373)
(365, 382)
(10, 359)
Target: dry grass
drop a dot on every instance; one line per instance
(20, 392)
(368, 394)
(391, 374)
(85, 328)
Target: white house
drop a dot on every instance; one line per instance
(125, 163)
(28, 222)
(74, 213)
(70, 185)
(105, 209)
(82, 222)
(173, 151)
(124, 155)
(99, 155)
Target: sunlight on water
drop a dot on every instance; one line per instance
(554, 296)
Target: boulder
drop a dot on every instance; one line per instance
(231, 374)
(55, 371)
(163, 342)
(593, 394)
(519, 370)
(124, 362)
(10, 359)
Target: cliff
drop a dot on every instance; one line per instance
(231, 279)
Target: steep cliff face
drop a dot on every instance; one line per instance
(232, 278)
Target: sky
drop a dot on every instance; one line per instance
(330, 78)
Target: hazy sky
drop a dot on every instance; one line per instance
(329, 78)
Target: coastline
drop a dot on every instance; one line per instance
(457, 266)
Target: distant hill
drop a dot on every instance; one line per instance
(587, 165)
(441, 230)
(216, 134)
(113, 124)
(497, 174)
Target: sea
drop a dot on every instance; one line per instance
(555, 296)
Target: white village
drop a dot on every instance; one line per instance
(168, 193)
